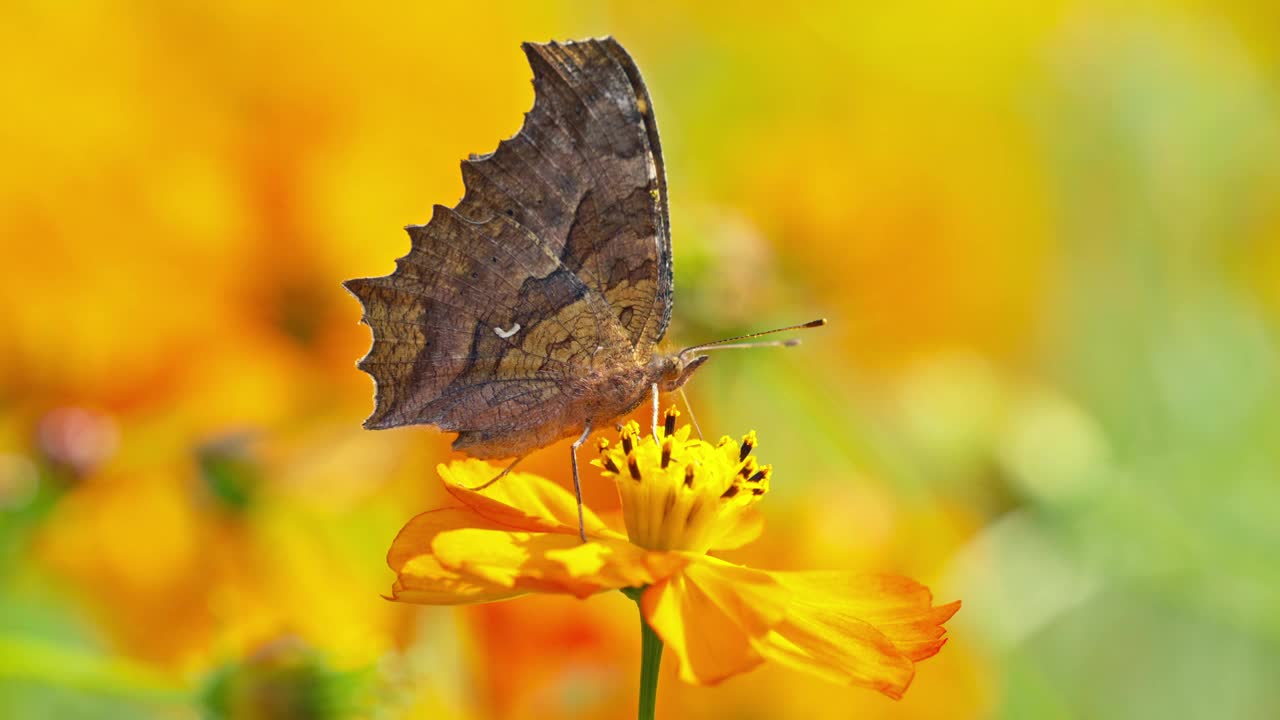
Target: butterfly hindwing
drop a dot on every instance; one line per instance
(472, 304)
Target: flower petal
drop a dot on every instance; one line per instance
(420, 578)
(551, 562)
(520, 501)
(749, 526)
(899, 607)
(865, 630)
(710, 615)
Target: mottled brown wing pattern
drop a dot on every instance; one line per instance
(438, 356)
(585, 173)
(556, 259)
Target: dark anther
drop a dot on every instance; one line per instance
(757, 491)
(611, 466)
(626, 443)
(747, 447)
(733, 490)
(669, 427)
(633, 466)
(666, 454)
(757, 477)
(688, 476)
(747, 468)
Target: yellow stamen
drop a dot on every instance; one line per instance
(683, 494)
(669, 422)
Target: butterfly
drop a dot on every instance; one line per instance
(532, 310)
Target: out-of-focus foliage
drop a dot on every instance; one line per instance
(1047, 236)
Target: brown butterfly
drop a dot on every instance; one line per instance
(532, 310)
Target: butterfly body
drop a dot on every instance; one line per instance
(534, 307)
(611, 392)
(599, 397)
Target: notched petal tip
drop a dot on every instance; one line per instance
(866, 630)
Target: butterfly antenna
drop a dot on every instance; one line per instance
(732, 343)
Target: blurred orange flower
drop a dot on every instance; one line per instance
(681, 499)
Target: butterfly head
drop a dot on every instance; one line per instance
(671, 372)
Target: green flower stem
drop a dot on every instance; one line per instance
(650, 660)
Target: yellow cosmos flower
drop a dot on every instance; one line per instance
(681, 499)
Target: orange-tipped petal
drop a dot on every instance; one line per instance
(420, 578)
(711, 614)
(865, 630)
(550, 562)
(519, 501)
(899, 607)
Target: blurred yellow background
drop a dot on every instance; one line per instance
(1047, 236)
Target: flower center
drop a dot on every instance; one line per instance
(682, 494)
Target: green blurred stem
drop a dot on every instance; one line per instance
(650, 660)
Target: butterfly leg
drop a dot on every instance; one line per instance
(499, 476)
(577, 485)
(692, 418)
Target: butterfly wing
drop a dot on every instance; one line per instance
(591, 145)
(556, 259)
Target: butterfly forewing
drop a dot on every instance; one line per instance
(557, 260)
(618, 240)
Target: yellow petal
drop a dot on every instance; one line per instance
(900, 608)
(745, 531)
(520, 501)
(550, 562)
(427, 583)
(864, 630)
(420, 578)
(711, 613)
